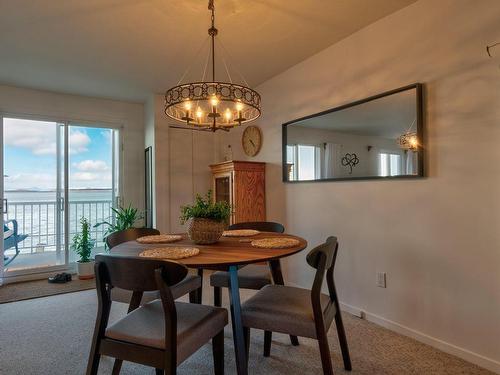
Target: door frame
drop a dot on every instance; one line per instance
(43, 272)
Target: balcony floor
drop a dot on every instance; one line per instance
(31, 261)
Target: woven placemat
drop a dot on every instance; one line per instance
(170, 252)
(275, 243)
(240, 233)
(159, 238)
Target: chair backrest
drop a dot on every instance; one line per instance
(136, 273)
(131, 234)
(323, 258)
(263, 226)
(328, 250)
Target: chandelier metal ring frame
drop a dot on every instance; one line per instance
(212, 105)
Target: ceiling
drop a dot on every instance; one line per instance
(386, 117)
(128, 49)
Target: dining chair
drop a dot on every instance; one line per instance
(252, 276)
(302, 312)
(191, 284)
(161, 333)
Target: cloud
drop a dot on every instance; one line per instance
(90, 173)
(91, 165)
(30, 181)
(40, 137)
(78, 141)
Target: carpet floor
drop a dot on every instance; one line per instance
(41, 288)
(52, 335)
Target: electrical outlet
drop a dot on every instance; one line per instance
(381, 279)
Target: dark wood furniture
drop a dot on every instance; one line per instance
(253, 276)
(243, 185)
(297, 311)
(229, 254)
(162, 333)
(191, 284)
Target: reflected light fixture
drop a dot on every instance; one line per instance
(408, 141)
(212, 105)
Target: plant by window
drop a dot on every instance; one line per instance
(205, 208)
(125, 218)
(82, 243)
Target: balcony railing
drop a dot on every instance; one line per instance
(39, 221)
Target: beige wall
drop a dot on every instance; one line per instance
(437, 238)
(129, 117)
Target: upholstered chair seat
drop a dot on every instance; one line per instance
(196, 324)
(188, 284)
(249, 277)
(285, 309)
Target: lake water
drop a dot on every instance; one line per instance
(47, 196)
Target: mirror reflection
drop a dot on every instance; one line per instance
(374, 138)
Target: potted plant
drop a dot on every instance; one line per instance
(206, 219)
(83, 245)
(125, 218)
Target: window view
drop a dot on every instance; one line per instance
(389, 164)
(302, 162)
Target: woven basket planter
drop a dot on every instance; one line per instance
(205, 231)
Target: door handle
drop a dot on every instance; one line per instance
(5, 206)
(61, 204)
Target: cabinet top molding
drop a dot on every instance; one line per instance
(237, 165)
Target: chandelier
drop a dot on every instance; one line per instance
(212, 105)
(408, 141)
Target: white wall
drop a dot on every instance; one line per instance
(129, 117)
(437, 238)
(182, 160)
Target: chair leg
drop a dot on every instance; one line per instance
(324, 350)
(294, 340)
(268, 335)
(193, 296)
(343, 341)
(218, 353)
(117, 366)
(217, 296)
(246, 333)
(159, 371)
(93, 365)
(94, 357)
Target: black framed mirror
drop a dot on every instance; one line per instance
(380, 137)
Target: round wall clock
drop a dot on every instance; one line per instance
(251, 140)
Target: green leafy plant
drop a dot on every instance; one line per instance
(205, 208)
(82, 243)
(125, 218)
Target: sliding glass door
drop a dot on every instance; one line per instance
(32, 195)
(92, 180)
(54, 174)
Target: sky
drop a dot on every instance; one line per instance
(30, 160)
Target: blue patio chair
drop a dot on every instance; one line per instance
(11, 240)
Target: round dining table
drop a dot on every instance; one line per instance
(229, 254)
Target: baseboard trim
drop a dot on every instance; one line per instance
(469, 356)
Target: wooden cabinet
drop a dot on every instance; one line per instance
(243, 185)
